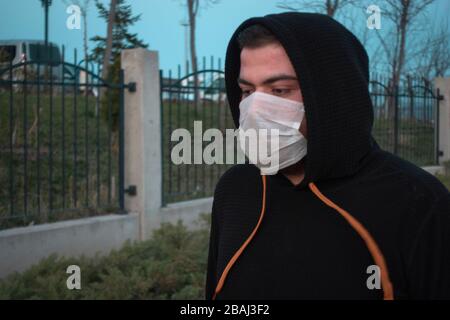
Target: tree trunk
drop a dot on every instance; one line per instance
(192, 8)
(331, 7)
(109, 39)
(85, 45)
(397, 71)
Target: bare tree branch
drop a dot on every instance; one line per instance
(328, 7)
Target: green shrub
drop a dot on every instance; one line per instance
(445, 179)
(445, 176)
(171, 265)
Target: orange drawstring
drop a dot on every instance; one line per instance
(364, 234)
(241, 249)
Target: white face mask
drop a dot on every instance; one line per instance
(276, 122)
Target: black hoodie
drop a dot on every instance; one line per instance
(357, 206)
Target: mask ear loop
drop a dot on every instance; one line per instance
(244, 245)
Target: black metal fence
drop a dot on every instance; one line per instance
(61, 142)
(182, 102)
(406, 118)
(405, 123)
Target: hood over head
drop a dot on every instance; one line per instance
(333, 73)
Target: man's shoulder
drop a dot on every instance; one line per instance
(239, 174)
(415, 179)
(238, 177)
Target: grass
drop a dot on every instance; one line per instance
(445, 179)
(445, 176)
(415, 140)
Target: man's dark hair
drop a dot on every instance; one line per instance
(255, 36)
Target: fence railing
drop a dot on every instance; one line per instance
(183, 102)
(406, 118)
(61, 154)
(405, 123)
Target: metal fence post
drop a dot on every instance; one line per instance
(396, 119)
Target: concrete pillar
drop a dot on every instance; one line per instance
(143, 137)
(443, 84)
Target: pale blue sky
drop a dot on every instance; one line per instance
(159, 26)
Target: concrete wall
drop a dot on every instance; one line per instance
(187, 211)
(434, 170)
(22, 247)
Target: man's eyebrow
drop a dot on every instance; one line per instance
(269, 80)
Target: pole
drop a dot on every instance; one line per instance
(46, 4)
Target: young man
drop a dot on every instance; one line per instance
(345, 221)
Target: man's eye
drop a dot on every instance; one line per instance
(280, 91)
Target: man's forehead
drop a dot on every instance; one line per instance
(265, 64)
(273, 53)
